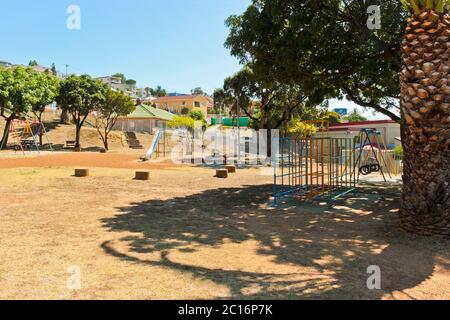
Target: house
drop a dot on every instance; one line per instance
(116, 84)
(144, 119)
(5, 64)
(389, 129)
(179, 103)
(131, 90)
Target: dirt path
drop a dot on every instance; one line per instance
(84, 159)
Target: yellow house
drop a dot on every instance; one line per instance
(176, 104)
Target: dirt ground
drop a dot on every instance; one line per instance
(188, 235)
(130, 160)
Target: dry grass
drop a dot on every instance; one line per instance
(187, 235)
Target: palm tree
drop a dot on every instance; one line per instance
(425, 93)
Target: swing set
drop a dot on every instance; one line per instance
(373, 155)
(26, 133)
(327, 167)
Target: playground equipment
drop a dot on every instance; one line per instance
(310, 167)
(155, 146)
(26, 133)
(373, 155)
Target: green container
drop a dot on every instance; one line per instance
(233, 122)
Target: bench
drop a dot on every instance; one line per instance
(70, 144)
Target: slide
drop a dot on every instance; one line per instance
(153, 146)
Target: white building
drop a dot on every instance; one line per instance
(389, 129)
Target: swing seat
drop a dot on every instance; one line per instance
(70, 144)
(27, 144)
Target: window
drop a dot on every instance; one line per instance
(197, 104)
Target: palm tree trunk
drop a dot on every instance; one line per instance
(425, 91)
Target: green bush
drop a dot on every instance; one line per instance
(398, 150)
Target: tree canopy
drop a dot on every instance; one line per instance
(116, 104)
(20, 89)
(121, 76)
(80, 95)
(325, 46)
(158, 92)
(46, 90)
(355, 116)
(269, 105)
(197, 91)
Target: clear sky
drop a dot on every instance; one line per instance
(177, 44)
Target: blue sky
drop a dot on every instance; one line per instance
(177, 44)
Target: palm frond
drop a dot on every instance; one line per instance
(417, 6)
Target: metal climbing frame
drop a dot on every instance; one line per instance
(314, 167)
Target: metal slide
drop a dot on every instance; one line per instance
(153, 146)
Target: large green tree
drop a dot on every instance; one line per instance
(277, 102)
(80, 95)
(326, 46)
(277, 105)
(19, 91)
(115, 105)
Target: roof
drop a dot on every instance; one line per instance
(362, 123)
(183, 97)
(145, 111)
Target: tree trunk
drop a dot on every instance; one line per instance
(425, 105)
(5, 137)
(77, 137)
(41, 129)
(105, 142)
(65, 117)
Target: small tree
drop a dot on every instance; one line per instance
(46, 91)
(331, 116)
(182, 122)
(299, 129)
(158, 92)
(197, 91)
(54, 71)
(355, 116)
(17, 95)
(197, 115)
(130, 82)
(115, 105)
(185, 111)
(80, 95)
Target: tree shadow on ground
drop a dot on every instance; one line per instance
(52, 125)
(323, 250)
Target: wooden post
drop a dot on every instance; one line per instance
(230, 168)
(81, 173)
(222, 173)
(142, 175)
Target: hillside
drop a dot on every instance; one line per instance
(58, 134)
